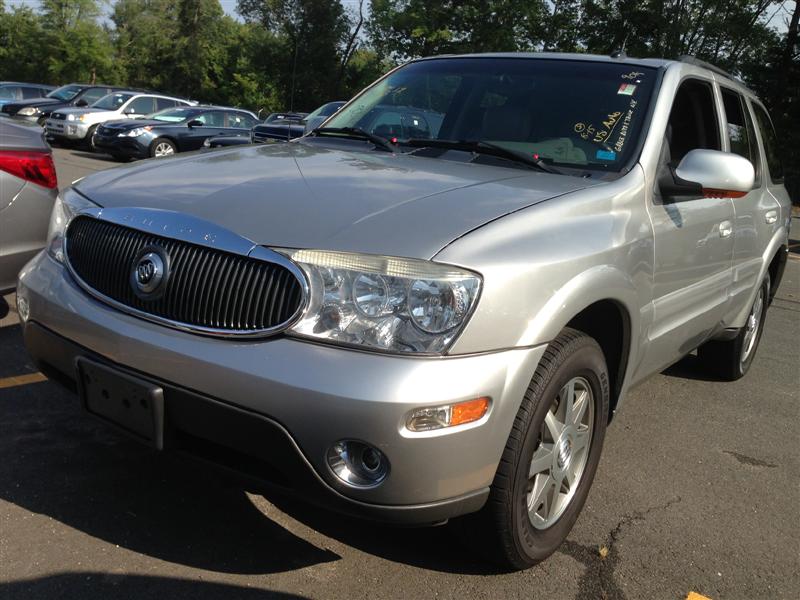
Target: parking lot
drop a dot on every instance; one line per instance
(697, 491)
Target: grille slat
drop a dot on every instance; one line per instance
(208, 289)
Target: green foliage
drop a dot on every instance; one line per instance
(405, 29)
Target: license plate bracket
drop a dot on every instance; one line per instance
(134, 405)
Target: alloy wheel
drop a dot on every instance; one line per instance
(560, 459)
(163, 149)
(752, 326)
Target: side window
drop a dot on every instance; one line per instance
(9, 93)
(740, 129)
(770, 140)
(214, 118)
(239, 121)
(93, 95)
(692, 121)
(31, 92)
(162, 103)
(140, 106)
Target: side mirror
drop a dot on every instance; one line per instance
(194, 123)
(81, 103)
(710, 174)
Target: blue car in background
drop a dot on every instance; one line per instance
(170, 131)
(14, 91)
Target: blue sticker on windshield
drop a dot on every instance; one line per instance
(606, 155)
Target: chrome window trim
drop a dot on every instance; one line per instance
(185, 228)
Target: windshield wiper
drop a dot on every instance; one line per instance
(482, 147)
(357, 133)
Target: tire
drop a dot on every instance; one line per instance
(731, 359)
(162, 147)
(88, 143)
(504, 530)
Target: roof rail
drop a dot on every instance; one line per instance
(693, 60)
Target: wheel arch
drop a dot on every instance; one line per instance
(608, 322)
(169, 138)
(604, 303)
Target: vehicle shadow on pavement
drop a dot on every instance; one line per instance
(434, 548)
(95, 156)
(60, 463)
(691, 367)
(101, 586)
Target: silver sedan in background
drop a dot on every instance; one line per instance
(28, 189)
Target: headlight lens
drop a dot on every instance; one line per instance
(28, 111)
(70, 117)
(67, 205)
(134, 132)
(384, 303)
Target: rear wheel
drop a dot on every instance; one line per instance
(550, 458)
(162, 147)
(731, 359)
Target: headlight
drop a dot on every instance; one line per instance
(67, 205)
(383, 303)
(134, 132)
(28, 111)
(70, 117)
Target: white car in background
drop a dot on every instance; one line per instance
(79, 124)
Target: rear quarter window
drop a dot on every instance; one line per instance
(770, 141)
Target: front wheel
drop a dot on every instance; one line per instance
(731, 359)
(162, 147)
(551, 456)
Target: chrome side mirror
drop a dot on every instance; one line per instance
(710, 174)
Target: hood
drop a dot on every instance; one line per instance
(300, 195)
(40, 102)
(125, 124)
(83, 111)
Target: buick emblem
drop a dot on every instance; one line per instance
(149, 272)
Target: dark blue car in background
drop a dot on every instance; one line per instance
(170, 131)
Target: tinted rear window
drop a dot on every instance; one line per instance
(771, 147)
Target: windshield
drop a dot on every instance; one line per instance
(65, 92)
(574, 113)
(326, 110)
(112, 101)
(174, 115)
(7, 92)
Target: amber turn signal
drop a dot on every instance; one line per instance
(448, 415)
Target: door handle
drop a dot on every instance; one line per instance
(725, 229)
(771, 217)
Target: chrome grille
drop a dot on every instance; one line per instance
(208, 290)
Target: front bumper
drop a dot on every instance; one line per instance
(305, 397)
(66, 130)
(128, 147)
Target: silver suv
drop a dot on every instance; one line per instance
(433, 306)
(79, 124)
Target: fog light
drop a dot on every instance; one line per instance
(23, 308)
(447, 415)
(358, 464)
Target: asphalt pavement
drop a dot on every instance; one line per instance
(698, 491)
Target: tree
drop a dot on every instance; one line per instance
(21, 51)
(403, 29)
(78, 47)
(312, 35)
